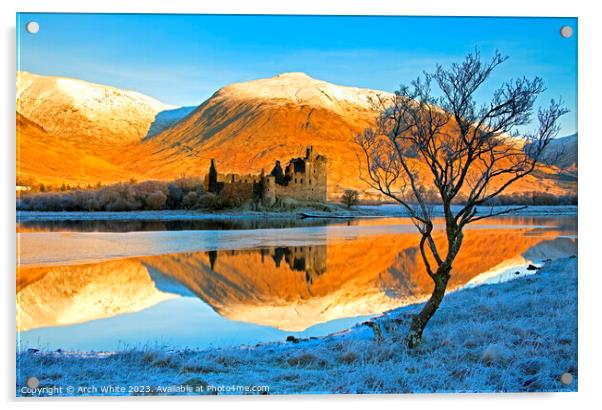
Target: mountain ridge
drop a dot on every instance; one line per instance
(244, 126)
(300, 88)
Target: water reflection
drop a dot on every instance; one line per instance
(31, 224)
(310, 260)
(263, 290)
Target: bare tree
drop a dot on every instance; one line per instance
(350, 198)
(469, 154)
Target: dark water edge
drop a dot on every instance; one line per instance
(195, 220)
(170, 225)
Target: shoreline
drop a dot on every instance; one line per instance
(515, 345)
(362, 211)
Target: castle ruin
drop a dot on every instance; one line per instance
(303, 179)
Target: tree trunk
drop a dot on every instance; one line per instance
(420, 321)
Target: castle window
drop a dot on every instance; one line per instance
(309, 182)
(295, 180)
(301, 181)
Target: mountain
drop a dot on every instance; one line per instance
(301, 89)
(247, 126)
(244, 126)
(84, 112)
(68, 130)
(563, 151)
(86, 292)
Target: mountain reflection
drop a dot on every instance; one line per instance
(289, 288)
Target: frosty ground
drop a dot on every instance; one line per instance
(516, 336)
(330, 210)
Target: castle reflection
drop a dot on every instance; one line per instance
(310, 260)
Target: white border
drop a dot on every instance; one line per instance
(590, 150)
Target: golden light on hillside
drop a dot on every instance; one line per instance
(245, 127)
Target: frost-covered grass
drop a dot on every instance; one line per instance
(518, 336)
(333, 209)
(517, 210)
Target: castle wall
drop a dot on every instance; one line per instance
(306, 186)
(239, 190)
(303, 190)
(237, 185)
(269, 190)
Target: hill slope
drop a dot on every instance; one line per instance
(84, 112)
(247, 126)
(68, 130)
(565, 149)
(46, 158)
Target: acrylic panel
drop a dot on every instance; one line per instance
(268, 205)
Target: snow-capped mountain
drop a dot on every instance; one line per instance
(244, 126)
(247, 126)
(86, 112)
(301, 89)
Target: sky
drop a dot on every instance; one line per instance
(183, 59)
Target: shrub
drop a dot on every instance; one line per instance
(156, 200)
(175, 194)
(183, 193)
(190, 200)
(350, 198)
(211, 201)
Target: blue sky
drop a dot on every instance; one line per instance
(183, 59)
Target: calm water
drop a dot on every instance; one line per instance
(101, 285)
(170, 225)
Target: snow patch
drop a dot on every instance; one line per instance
(302, 89)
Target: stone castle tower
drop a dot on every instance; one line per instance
(303, 179)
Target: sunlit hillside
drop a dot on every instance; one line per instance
(88, 133)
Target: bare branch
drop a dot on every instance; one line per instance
(424, 151)
(454, 145)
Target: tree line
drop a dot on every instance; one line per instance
(183, 193)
